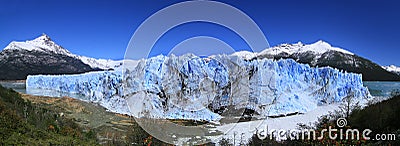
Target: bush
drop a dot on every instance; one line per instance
(24, 123)
(225, 142)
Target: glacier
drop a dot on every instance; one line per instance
(195, 88)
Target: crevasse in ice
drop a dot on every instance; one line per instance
(190, 87)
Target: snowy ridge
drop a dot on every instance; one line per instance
(44, 44)
(190, 87)
(318, 48)
(245, 54)
(100, 63)
(392, 68)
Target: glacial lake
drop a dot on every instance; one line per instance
(382, 88)
(376, 88)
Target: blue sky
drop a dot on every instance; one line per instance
(103, 28)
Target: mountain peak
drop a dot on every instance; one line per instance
(321, 43)
(322, 46)
(42, 38)
(43, 43)
(299, 43)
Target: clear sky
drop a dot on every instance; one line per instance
(103, 28)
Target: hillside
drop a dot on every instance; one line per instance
(322, 54)
(25, 123)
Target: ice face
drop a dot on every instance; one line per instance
(102, 87)
(190, 87)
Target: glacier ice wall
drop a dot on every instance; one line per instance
(103, 87)
(190, 87)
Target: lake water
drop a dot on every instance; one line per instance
(380, 88)
(17, 86)
(376, 88)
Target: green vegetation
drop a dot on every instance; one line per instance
(25, 123)
(381, 118)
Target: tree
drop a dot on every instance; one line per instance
(349, 104)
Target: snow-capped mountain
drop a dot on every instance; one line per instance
(393, 69)
(100, 63)
(319, 54)
(44, 44)
(323, 54)
(43, 56)
(318, 48)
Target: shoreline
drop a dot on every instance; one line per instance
(13, 81)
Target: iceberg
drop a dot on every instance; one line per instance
(195, 88)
